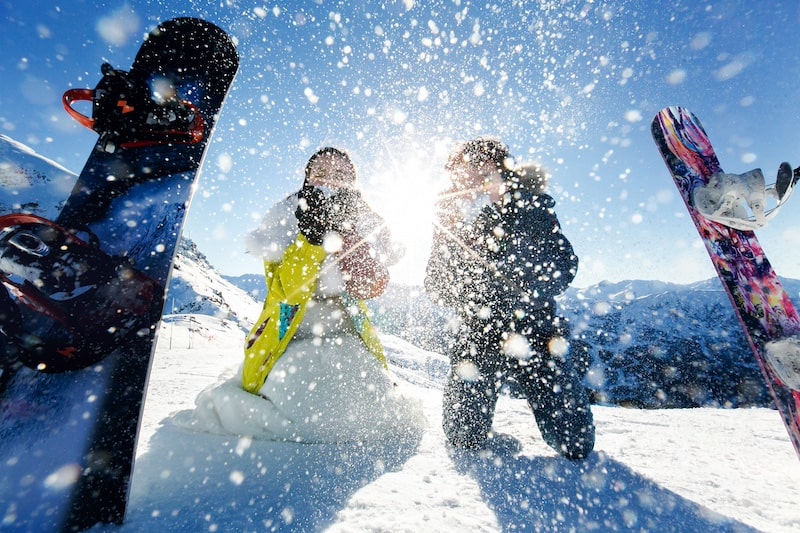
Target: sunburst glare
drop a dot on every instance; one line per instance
(404, 190)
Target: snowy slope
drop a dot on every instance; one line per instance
(653, 470)
(30, 182)
(196, 287)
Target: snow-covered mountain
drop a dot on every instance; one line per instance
(663, 345)
(30, 182)
(197, 288)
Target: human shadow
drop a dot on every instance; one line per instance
(596, 494)
(190, 481)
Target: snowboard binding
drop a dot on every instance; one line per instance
(67, 304)
(130, 112)
(783, 358)
(740, 200)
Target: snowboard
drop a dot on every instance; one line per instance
(83, 291)
(762, 306)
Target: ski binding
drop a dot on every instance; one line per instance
(783, 358)
(740, 200)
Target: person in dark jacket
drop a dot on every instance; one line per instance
(499, 259)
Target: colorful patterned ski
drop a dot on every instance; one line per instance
(762, 306)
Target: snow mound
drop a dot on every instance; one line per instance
(315, 394)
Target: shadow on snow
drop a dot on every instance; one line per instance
(242, 484)
(193, 482)
(597, 494)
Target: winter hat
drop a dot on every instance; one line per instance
(472, 155)
(347, 175)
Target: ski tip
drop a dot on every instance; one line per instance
(188, 26)
(672, 112)
(670, 118)
(664, 116)
(667, 115)
(192, 22)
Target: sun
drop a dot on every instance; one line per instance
(404, 193)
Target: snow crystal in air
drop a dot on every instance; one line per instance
(119, 26)
(225, 163)
(43, 31)
(63, 477)
(517, 346)
(676, 77)
(467, 371)
(558, 346)
(309, 92)
(237, 477)
(601, 308)
(633, 115)
(734, 67)
(422, 94)
(701, 40)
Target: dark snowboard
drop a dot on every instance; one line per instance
(82, 295)
(761, 304)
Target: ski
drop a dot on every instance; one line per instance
(770, 322)
(82, 284)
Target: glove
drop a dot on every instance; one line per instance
(313, 213)
(317, 214)
(364, 276)
(345, 208)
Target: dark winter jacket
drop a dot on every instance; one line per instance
(502, 270)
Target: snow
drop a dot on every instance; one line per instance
(652, 470)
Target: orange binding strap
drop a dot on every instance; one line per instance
(78, 95)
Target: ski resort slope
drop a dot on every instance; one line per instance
(652, 470)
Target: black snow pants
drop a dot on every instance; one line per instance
(550, 382)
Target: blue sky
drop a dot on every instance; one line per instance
(570, 85)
